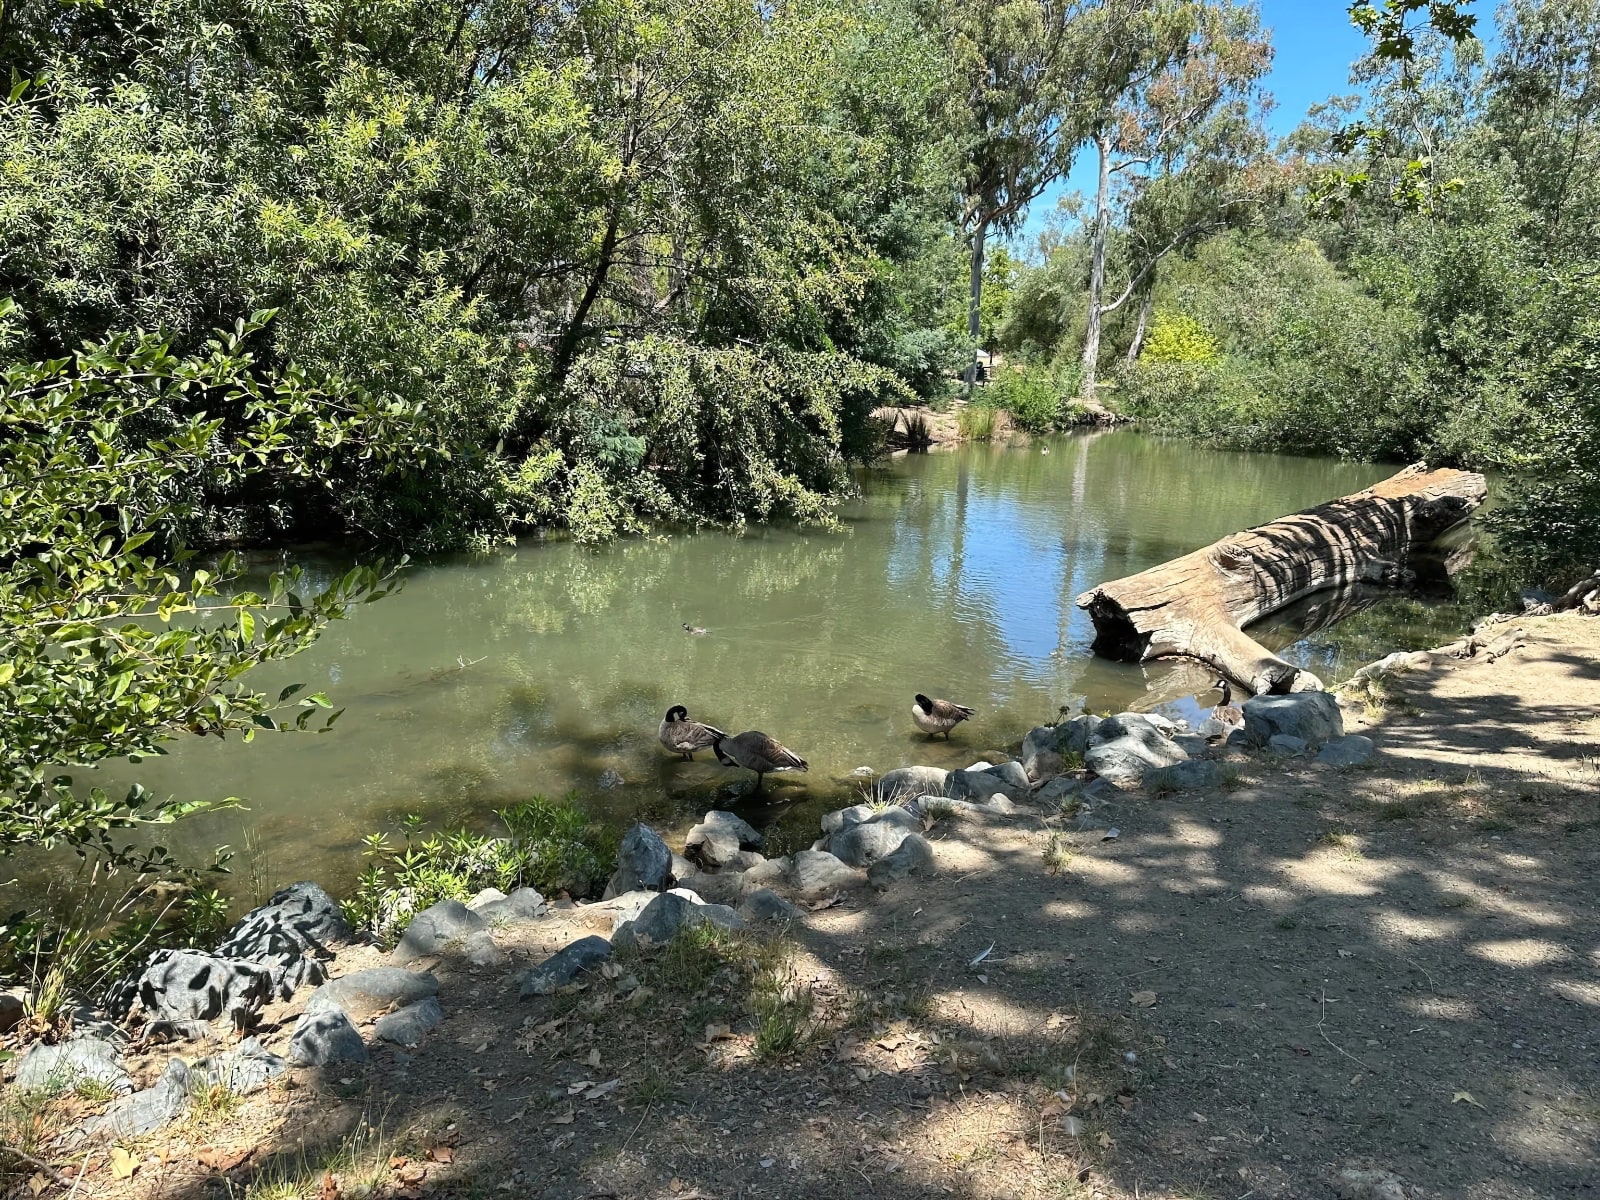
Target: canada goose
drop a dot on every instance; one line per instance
(694, 630)
(683, 736)
(1227, 713)
(755, 751)
(939, 716)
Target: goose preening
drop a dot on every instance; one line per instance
(683, 736)
(1227, 713)
(938, 716)
(755, 751)
(694, 630)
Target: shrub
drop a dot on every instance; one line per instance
(1038, 399)
(1176, 337)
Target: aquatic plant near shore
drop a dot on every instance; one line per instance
(553, 847)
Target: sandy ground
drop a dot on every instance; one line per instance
(1244, 994)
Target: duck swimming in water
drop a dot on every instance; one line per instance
(683, 736)
(694, 630)
(939, 716)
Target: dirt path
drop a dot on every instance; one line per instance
(1246, 993)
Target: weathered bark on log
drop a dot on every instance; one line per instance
(1197, 606)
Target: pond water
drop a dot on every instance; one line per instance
(487, 680)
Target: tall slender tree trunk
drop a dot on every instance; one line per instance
(1097, 265)
(1143, 325)
(975, 301)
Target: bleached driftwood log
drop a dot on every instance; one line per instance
(1197, 606)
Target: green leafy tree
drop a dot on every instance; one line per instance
(113, 640)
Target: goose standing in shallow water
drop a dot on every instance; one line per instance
(939, 716)
(683, 736)
(755, 751)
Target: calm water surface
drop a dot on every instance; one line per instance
(487, 680)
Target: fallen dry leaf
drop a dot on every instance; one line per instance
(565, 1118)
(1465, 1098)
(442, 1154)
(1105, 1141)
(1143, 999)
(37, 1182)
(594, 1058)
(330, 1188)
(602, 1089)
(123, 1164)
(215, 1158)
(1126, 1101)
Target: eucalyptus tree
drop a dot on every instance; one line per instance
(1016, 66)
(1162, 74)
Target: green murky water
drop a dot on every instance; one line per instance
(537, 672)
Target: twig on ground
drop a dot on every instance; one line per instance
(1322, 1015)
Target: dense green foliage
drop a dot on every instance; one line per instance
(492, 214)
(112, 640)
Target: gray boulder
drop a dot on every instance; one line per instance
(907, 783)
(247, 1068)
(765, 906)
(293, 935)
(64, 1066)
(1284, 743)
(1192, 776)
(524, 904)
(644, 863)
(189, 985)
(1351, 750)
(1124, 747)
(854, 815)
(812, 872)
(156, 1107)
(1045, 748)
(326, 1039)
(914, 856)
(409, 1025)
(564, 966)
(718, 838)
(1013, 773)
(864, 844)
(1314, 717)
(11, 1011)
(666, 916)
(437, 930)
(1061, 792)
(978, 786)
(362, 994)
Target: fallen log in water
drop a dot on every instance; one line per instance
(1197, 606)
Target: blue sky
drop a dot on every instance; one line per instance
(1314, 45)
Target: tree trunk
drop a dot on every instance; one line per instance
(1143, 326)
(1197, 606)
(975, 301)
(1097, 266)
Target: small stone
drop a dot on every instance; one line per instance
(11, 1011)
(1012, 773)
(438, 930)
(522, 905)
(719, 838)
(362, 994)
(1359, 1184)
(487, 896)
(1284, 743)
(978, 786)
(1124, 747)
(564, 967)
(188, 985)
(1351, 750)
(324, 1039)
(1061, 792)
(610, 779)
(247, 1068)
(145, 1112)
(914, 856)
(409, 1025)
(765, 905)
